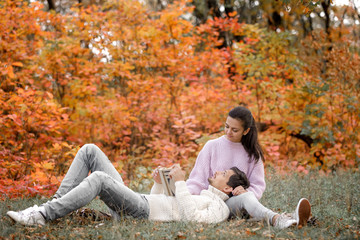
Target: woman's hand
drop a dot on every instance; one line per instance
(156, 175)
(238, 190)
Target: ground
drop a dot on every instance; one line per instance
(334, 198)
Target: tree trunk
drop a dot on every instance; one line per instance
(51, 5)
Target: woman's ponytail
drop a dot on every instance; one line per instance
(250, 140)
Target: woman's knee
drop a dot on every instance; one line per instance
(239, 200)
(238, 204)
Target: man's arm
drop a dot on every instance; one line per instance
(216, 210)
(157, 188)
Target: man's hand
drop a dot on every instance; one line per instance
(156, 175)
(239, 190)
(176, 173)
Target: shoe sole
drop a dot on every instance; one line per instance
(303, 210)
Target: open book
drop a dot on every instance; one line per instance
(167, 182)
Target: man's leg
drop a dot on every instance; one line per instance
(116, 196)
(89, 158)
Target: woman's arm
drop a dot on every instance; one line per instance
(257, 179)
(201, 172)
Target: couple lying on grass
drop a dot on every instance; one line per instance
(216, 188)
(78, 189)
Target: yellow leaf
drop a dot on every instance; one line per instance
(48, 165)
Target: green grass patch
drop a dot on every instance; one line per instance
(334, 198)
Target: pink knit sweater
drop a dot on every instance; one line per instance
(222, 154)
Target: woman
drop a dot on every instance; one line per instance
(239, 147)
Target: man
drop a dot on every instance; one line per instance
(78, 189)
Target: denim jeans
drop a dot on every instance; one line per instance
(77, 188)
(248, 202)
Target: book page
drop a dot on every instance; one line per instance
(168, 183)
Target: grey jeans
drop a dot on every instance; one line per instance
(77, 188)
(248, 202)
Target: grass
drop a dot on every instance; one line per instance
(334, 198)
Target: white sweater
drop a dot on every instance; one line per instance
(208, 207)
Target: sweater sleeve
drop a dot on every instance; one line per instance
(201, 172)
(157, 189)
(216, 211)
(257, 179)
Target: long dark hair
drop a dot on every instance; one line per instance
(250, 140)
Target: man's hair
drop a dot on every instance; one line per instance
(238, 179)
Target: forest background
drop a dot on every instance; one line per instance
(151, 81)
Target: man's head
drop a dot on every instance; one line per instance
(226, 181)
